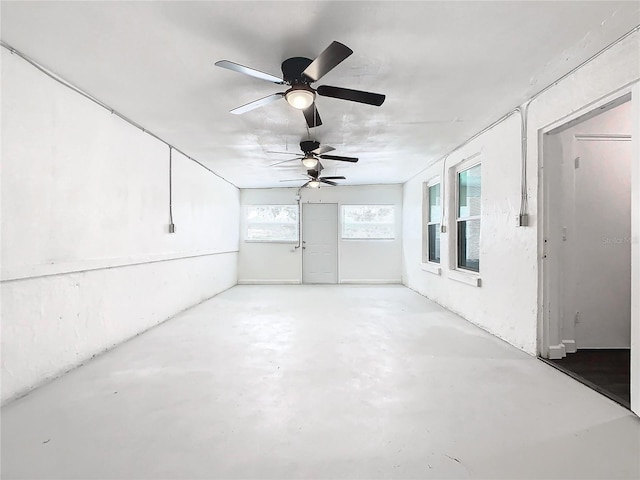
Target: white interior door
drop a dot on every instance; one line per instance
(601, 246)
(319, 243)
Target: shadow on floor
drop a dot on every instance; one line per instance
(608, 371)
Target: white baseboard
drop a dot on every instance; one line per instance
(251, 281)
(570, 346)
(556, 352)
(387, 281)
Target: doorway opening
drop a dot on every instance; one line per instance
(587, 294)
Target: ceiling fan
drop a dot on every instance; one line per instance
(315, 179)
(312, 153)
(299, 73)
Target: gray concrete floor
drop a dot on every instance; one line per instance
(317, 382)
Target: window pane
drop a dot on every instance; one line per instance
(272, 232)
(435, 212)
(469, 245)
(434, 242)
(469, 192)
(272, 223)
(368, 221)
(272, 213)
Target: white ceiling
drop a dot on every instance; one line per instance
(448, 69)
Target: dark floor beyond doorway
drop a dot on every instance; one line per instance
(607, 371)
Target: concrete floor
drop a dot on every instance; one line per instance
(317, 382)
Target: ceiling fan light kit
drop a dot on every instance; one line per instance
(300, 96)
(310, 161)
(299, 73)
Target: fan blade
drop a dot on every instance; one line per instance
(339, 158)
(256, 103)
(312, 116)
(327, 61)
(284, 153)
(323, 149)
(327, 182)
(295, 179)
(284, 161)
(351, 95)
(333, 178)
(236, 67)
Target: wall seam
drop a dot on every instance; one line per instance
(109, 267)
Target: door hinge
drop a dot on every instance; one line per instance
(576, 162)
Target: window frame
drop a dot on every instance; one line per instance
(458, 169)
(375, 239)
(427, 221)
(247, 223)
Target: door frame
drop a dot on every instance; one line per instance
(545, 324)
(302, 233)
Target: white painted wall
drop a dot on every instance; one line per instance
(359, 261)
(87, 260)
(635, 252)
(594, 206)
(507, 302)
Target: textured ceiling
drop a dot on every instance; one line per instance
(448, 69)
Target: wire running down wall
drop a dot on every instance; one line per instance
(507, 301)
(87, 257)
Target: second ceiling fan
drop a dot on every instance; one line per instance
(312, 153)
(299, 73)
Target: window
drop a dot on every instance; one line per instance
(468, 218)
(433, 218)
(271, 223)
(370, 222)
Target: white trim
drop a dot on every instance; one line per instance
(382, 281)
(602, 137)
(468, 278)
(635, 253)
(431, 267)
(606, 102)
(592, 109)
(294, 242)
(465, 164)
(570, 346)
(557, 352)
(251, 281)
(426, 215)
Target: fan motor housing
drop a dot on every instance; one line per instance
(292, 69)
(309, 145)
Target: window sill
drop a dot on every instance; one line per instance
(289, 242)
(467, 278)
(431, 268)
(352, 239)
